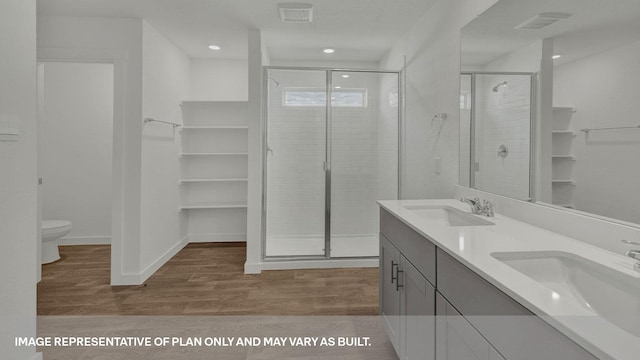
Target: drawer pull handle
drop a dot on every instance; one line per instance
(394, 276)
(398, 285)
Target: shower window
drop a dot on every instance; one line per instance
(318, 97)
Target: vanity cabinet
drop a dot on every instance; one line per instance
(478, 320)
(456, 338)
(407, 296)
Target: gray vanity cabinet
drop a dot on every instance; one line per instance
(417, 305)
(389, 295)
(508, 326)
(456, 338)
(482, 321)
(407, 294)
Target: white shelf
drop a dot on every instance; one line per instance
(212, 180)
(563, 181)
(215, 102)
(202, 206)
(563, 132)
(215, 127)
(568, 157)
(565, 108)
(214, 154)
(568, 206)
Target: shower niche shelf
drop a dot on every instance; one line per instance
(214, 170)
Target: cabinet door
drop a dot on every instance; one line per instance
(456, 339)
(495, 355)
(389, 291)
(418, 310)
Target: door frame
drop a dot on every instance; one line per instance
(117, 58)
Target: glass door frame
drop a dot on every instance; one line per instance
(327, 163)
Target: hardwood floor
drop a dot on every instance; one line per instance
(202, 279)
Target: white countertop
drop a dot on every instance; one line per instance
(473, 245)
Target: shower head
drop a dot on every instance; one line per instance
(495, 88)
(275, 82)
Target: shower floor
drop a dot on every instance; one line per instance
(341, 245)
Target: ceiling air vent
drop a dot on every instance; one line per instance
(542, 20)
(295, 12)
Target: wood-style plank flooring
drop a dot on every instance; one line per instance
(202, 279)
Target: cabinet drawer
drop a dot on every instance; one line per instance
(512, 329)
(420, 252)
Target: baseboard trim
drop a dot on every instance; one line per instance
(85, 240)
(162, 259)
(256, 268)
(140, 278)
(214, 237)
(252, 268)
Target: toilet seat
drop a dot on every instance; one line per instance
(50, 227)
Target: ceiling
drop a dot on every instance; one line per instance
(359, 30)
(595, 26)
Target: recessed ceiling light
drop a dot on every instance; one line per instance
(328, 51)
(345, 76)
(215, 47)
(338, 87)
(556, 56)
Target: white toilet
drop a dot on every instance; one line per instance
(52, 230)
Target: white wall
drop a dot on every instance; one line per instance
(604, 89)
(75, 148)
(432, 49)
(18, 177)
(257, 57)
(165, 83)
(219, 79)
(122, 37)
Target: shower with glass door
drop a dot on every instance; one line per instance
(331, 150)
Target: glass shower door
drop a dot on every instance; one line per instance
(364, 157)
(295, 163)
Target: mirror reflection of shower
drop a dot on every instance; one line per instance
(497, 87)
(276, 82)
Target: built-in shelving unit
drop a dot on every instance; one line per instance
(214, 169)
(563, 159)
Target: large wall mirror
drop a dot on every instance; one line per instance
(548, 104)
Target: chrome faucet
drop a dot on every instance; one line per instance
(474, 203)
(487, 208)
(478, 207)
(634, 254)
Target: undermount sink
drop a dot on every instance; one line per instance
(449, 215)
(611, 294)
